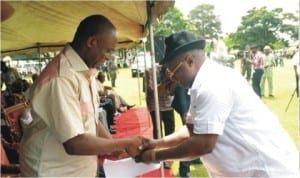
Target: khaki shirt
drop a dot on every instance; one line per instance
(269, 62)
(64, 102)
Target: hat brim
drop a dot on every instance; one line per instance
(197, 44)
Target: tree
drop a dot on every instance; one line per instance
(265, 27)
(173, 21)
(206, 22)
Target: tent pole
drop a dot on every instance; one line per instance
(153, 63)
(145, 85)
(138, 75)
(39, 54)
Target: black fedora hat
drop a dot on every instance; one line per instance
(180, 42)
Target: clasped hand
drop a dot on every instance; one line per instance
(135, 145)
(147, 152)
(141, 149)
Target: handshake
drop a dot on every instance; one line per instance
(141, 149)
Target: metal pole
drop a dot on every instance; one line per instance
(39, 54)
(138, 75)
(287, 107)
(297, 87)
(144, 46)
(157, 116)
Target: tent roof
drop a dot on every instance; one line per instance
(53, 23)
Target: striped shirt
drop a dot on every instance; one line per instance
(165, 100)
(258, 61)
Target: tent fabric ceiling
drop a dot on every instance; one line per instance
(53, 23)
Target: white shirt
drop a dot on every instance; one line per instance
(251, 141)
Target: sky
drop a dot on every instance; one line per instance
(231, 11)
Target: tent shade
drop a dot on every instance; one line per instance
(53, 23)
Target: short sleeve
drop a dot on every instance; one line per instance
(209, 110)
(58, 105)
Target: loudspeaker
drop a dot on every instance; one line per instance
(159, 47)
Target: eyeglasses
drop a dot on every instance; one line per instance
(171, 73)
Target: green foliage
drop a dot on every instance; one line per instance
(265, 27)
(261, 26)
(201, 20)
(206, 22)
(278, 45)
(173, 21)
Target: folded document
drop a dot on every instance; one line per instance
(127, 168)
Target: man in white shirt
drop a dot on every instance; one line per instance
(228, 125)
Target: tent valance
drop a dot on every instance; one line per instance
(47, 24)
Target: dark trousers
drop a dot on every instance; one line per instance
(113, 77)
(184, 168)
(110, 109)
(168, 120)
(256, 81)
(247, 69)
(12, 154)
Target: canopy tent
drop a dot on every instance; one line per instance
(40, 26)
(45, 25)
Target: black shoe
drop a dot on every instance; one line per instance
(112, 131)
(120, 110)
(130, 106)
(113, 123)
(166, 165)
(185, 175)
(196, 161)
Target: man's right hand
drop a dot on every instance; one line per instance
(135, 144)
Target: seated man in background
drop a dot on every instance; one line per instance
(107, 91)
(8, 76)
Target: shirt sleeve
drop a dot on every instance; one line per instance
(209, 110)
(59, 106)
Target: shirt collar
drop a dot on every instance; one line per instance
(77, 62)
(201, 74)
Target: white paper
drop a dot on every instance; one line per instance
(127, 168)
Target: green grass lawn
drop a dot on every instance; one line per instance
(284, 85)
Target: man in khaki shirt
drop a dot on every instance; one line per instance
(269, 63)
(65, 136)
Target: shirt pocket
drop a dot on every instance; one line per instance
(193, 105)
(86, 108)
